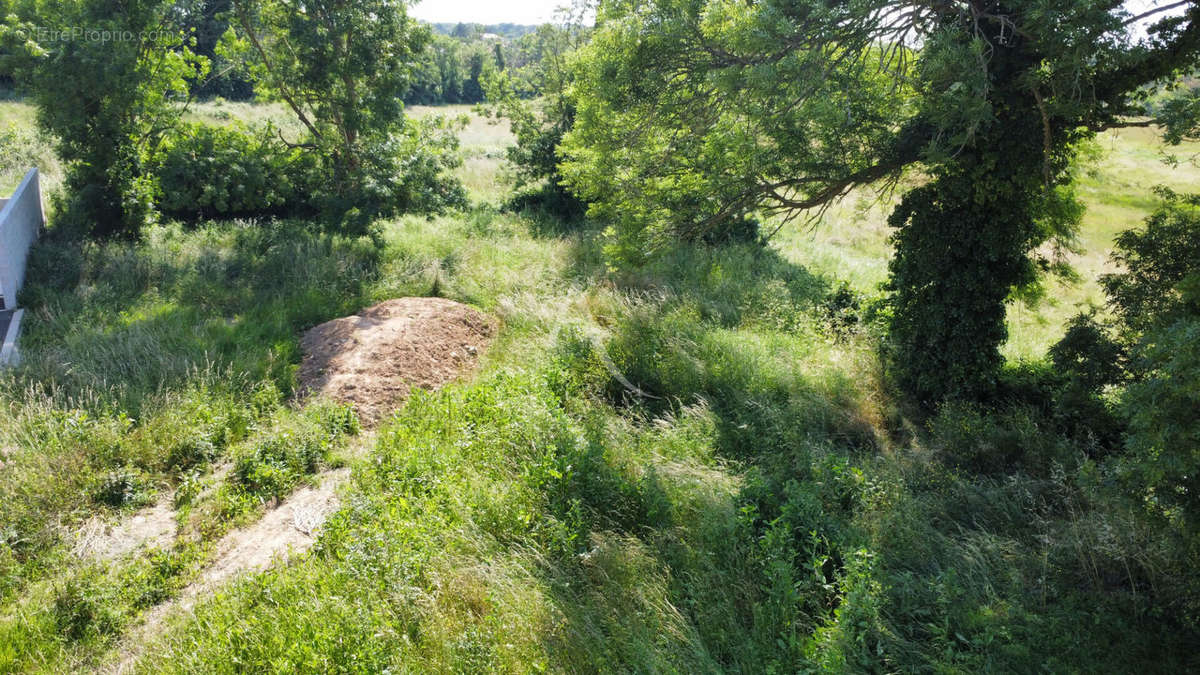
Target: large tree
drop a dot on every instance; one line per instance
(693, 113)
(342, 67)
(108, 80)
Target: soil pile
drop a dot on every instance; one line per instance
(373, 359)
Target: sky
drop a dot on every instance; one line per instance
(486, 11)
(541, 11)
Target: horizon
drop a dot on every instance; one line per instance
(522, 12)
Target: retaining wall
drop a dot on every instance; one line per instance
(21, 219)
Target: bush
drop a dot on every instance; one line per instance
(406, 172)
(1161, 264)
(1156, 299)
(224, 172)
(123, 487)
(1163, 409)
(972, 438)
(220, 172)
(84, 607)
(273, 466)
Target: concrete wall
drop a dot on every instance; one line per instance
(21, 219)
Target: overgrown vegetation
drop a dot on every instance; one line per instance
(690, 449)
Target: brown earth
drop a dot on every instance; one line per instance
(153, 526)
(290, 529)
(372, 359)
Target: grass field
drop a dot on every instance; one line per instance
(744, 497)
(851, 241)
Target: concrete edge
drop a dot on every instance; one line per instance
(9, 355)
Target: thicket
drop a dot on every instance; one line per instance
(539, 125)
(114, 108)
(692, 116)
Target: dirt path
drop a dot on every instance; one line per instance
(152, 526)
(371, 360)
(289, 529)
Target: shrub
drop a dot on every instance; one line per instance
(271, 467)
(1163, 409)
(972, 438)
(224, 172)
(208, 172)
(334, 419)
(1156, 299)
(107, 103)
(1161, 264)
(84, 606)
(123, 487)
(408, 171)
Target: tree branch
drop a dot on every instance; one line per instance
(244, 19)
(1157, 10)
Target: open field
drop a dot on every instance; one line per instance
(692, 467)
(851, 241)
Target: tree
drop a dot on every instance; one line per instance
(539, 125)
(210, 21)
(693, 114)
(343, 68)
(472, 90)
(1155, 320)
(107, 81)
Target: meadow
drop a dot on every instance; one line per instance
(694, 466)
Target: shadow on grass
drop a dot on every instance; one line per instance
(723, 517)
(121, 320)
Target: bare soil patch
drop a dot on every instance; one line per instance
(374, 358)
(152, 526)
(290, 529)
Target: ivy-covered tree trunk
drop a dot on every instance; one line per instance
(963, 241)
(693, 114)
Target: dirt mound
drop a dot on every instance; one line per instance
(373, 358)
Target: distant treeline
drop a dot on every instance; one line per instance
(451, 69)
(472, 30)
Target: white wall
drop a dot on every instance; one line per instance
(20, 222)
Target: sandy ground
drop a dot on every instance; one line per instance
(287, 530)
(373, 359)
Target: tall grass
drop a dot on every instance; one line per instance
(690, 467)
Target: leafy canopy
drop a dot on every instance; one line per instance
(694, 113)
(343, 69)
(108, 80)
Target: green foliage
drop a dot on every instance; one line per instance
(1160, 277)
(21, 149)
(210, 21)
(124, 487)
(342, 68)
(1163, 408)
(1156, 297)
(272, 466)
(661, 155)
(108, 94)
(539, 126)
(82, 608)
(207, 171)
(690, 466)
(1180, 115)
(692, 114)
